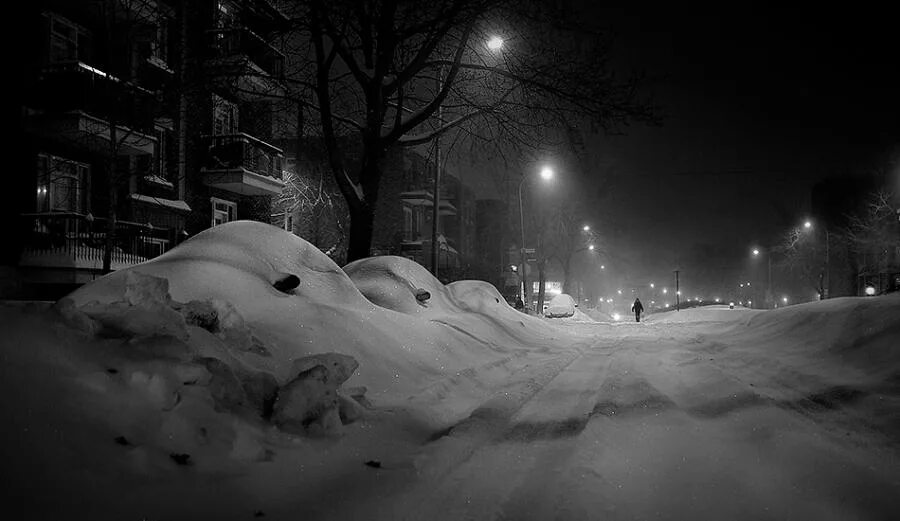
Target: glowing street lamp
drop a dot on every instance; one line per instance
(495, 43)
(652, 286)
(586, 228)
(591, 247)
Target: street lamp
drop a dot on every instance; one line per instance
(586, 228)
(591, 247)
(546, 174)
(826, 289)
(756, 252)
(494, 44)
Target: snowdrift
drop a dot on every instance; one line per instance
(860, 332)
(297, 302)
(471, 307)
(718, 313)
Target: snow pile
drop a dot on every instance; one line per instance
(853, 332)
(475, 307)
(208, 355)
(296, 302)
(717, 313)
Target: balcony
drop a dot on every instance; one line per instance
(243, 164)
(245, 62)
(73, 242)
(425, 198)
(77, 128)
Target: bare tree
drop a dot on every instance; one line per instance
(385, 70)
(315, 209)
(875, 235)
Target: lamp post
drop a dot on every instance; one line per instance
(768, 275)
(826, 290)
(494, 44)
(546, 174)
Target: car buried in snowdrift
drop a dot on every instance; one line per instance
(561, 306)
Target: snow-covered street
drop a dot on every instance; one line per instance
(655, 421)
(168, 391)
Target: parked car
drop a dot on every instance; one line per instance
(561, 306)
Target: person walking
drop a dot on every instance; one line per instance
(638, 308)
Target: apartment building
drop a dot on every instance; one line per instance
(144, 122)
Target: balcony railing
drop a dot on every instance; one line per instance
(80, 241)
(243, 41)
(232, 151)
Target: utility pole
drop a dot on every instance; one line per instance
(677, 291)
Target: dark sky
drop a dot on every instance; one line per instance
(759, 105)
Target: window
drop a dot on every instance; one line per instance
(227, 16)
(159, 47)
(60, 184)
(225, 116)
(417, 224)
(223, 211)
(407, 223)
(67, 40)
(162, 148)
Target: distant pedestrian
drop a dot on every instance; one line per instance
(638, 308)
(519, 304)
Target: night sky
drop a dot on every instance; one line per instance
(759, 105)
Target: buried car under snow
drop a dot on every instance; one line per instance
(561, 306)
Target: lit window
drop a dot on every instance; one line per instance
(60, 184)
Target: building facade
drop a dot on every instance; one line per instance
(143, 122)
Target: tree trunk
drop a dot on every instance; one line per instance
(362, 215)
(361, 227)
(567, 284)
(542, 279)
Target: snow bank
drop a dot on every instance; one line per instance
(860, 332)
(476, 307)
(404, 328)
(719, 313)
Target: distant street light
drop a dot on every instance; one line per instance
(620, 292)
(784, 299)
(602, 266)
(665, 290)
(591, 247)
(652, 286)
(495, 43)
(807, 225)
(586, 228)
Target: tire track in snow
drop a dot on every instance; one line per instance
(490, 442)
